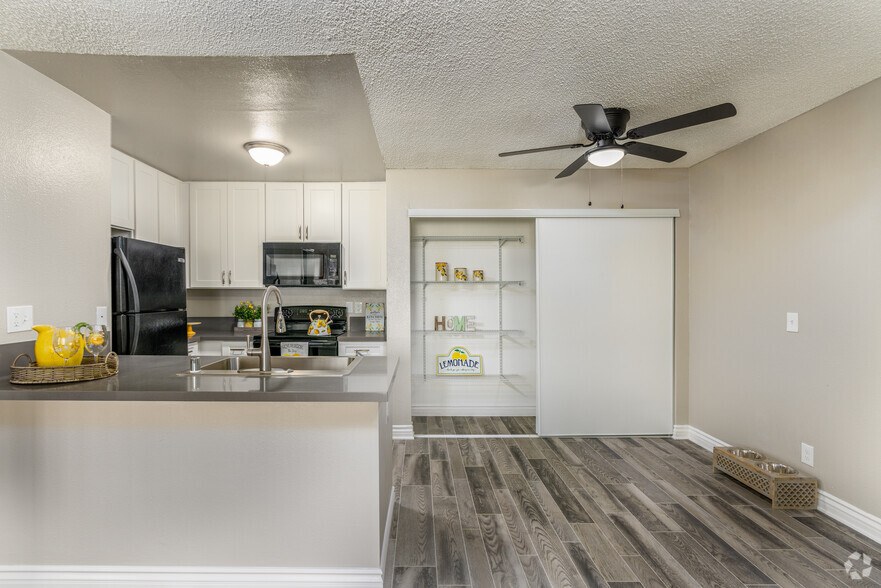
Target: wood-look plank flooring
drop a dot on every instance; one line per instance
(585, 512)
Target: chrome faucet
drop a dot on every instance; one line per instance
(280, 327)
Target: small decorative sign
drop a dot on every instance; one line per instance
(454, 323)
(374, 317)
(459, 362)
(291, 349)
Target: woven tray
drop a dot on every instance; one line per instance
(92, 368)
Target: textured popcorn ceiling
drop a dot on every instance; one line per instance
(452, 83)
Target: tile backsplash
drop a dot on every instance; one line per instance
(220, 302)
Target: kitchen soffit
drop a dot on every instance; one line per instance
(189, 116)
(451, 84)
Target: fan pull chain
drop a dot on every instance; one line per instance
(589, 178)
(622, 182)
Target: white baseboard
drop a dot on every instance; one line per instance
(475, 411)
(188, 577)
(848, 514)
(681, 431)
(832, 506)
(401, 432)
(388, 529)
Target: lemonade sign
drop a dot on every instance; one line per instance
(459, 362)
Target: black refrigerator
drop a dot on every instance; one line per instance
(149, 298)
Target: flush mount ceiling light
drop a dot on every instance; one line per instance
(266, 153)
(605, 157)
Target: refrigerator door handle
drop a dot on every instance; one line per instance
(137, 330)
(131, 278)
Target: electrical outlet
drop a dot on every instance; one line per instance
(19, 318)
(792, 322)
(807, 454)
(359, 307)
(101, 315)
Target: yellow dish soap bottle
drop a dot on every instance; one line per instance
(45, 354)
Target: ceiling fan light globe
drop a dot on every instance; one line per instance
(266, 153)
(605, 157)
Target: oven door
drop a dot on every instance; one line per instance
(302, 264)
(326, 346)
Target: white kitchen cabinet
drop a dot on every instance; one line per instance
(322, 212)
(284, 211)
(304, 212)
(170, 212)
(227, 230)
(208, 234)
(146, 202)
(246, 231)
(122, 190)
(353, 349)
(364, 236)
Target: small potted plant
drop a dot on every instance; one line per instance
(246, 312)
(258, 320)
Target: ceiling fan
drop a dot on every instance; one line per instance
(605, 127)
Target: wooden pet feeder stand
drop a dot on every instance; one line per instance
(784, 485)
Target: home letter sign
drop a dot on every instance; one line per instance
(454, 323)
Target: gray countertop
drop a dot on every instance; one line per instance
(155, 378)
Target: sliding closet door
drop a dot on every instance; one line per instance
(605, 326)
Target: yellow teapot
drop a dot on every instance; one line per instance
(319, 326)
(46, 356)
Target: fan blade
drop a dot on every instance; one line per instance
(539, 149)
(573, 167)
(653, 151)
(593, 118)
(698, 117)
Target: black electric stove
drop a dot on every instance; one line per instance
(297, 322)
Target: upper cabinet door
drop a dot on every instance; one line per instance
(146, 202)
(323, 212)
(246, 218)
(208, 234)
(171, 230)
(364, 236)
(284, 211)
(122, 190)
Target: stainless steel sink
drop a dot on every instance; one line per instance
(312, 366)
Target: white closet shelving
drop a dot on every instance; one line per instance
(468, 288)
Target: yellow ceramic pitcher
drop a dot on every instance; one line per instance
(46, 356)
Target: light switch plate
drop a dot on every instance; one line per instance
(19, 318)
(792, 322)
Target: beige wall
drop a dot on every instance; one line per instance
(667, 188)
(54, 200)
(790, 221)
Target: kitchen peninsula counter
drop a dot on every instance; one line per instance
(239, 476)
(155, 378)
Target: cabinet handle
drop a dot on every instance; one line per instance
(230, 277)
(299, 231)
(223, 277)
(307, 232)
(345, 279)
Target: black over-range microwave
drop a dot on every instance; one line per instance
(302, 264)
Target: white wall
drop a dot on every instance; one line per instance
(54, 200)
(790, 221)
(405, 189)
